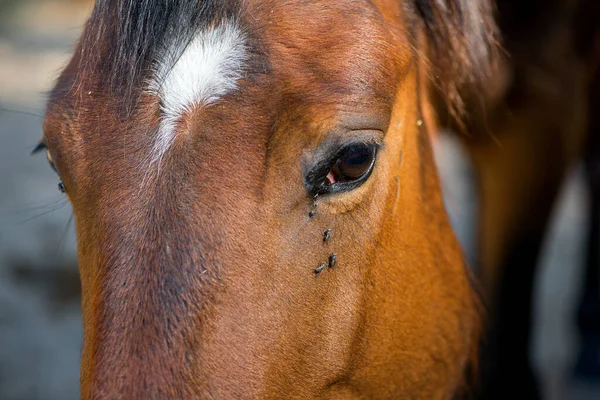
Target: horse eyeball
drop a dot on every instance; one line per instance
(353, 163)
(345, 168)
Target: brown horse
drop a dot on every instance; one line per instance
(257, 209)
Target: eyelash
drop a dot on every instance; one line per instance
(38, 149)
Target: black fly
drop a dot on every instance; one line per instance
(332, 260)
(320, 268)
(313, 212)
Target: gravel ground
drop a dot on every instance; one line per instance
(40, 325)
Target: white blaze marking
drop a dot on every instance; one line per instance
(209, 67)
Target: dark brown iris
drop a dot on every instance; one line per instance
(352, 164)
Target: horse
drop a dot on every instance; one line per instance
(257, 209)
(536, 119)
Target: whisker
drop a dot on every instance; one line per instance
(28, 210)
(58, 207)
(2, 109)
(63, 239)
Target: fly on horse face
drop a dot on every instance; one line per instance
(257, 209)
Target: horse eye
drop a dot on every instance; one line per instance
(50, 161)
(353, 163)
(346, 169)
(42, 146)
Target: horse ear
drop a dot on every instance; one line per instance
(461, 45)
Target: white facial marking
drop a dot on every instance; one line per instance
(209, 67)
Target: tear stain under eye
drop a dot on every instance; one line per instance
(313, 210)
(332, 260)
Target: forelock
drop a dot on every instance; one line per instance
(123, 39)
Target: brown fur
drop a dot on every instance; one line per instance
(199, 282)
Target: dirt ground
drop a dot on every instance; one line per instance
(40, 324)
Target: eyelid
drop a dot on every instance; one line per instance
(324, 155)
(51, 161)
(374, 141)
(337, 141)
(41, 146)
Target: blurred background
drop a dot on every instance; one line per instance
(40, 324)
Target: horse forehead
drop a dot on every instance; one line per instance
(217, 57)
(208, 68)
(320, 27)
(308, 44)
(341, 48)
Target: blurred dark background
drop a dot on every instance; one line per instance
(40, 324)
